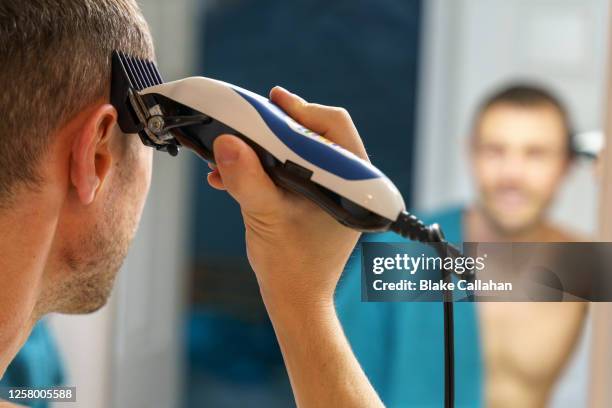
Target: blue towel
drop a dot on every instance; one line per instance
(37, 364)
(400, 345)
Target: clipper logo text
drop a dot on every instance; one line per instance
(296, 127)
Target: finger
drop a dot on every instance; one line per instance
(244, 177)
(215, 180)
(332, 122)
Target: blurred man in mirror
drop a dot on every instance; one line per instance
(509, 354)
(520, 152)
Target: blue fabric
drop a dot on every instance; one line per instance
(230, 349)
(234, 362)
(37, 364)
(400, 345)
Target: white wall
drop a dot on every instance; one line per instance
(129, 353)
(147, 356)
(472, 46)
(85, 344)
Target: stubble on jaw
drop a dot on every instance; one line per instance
(90, 264)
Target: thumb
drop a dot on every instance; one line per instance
(243, 176)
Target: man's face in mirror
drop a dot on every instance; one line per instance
(519, 157)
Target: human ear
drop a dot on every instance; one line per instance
(90, 157)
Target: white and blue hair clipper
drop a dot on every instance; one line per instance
(192, 112)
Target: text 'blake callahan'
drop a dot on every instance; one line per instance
(426, 284)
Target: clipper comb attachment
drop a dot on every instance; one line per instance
(131, 75)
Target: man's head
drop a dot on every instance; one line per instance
(520, 151)
(60, 142)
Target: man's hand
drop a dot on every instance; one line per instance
(298, 253)
(296, 249)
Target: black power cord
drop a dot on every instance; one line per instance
(449, 352)
(409, 226)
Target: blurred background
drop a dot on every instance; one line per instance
(186, 326)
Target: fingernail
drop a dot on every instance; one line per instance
(227, 154)
(284, 90)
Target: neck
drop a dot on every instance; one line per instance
(479, 228)
(27, 236)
